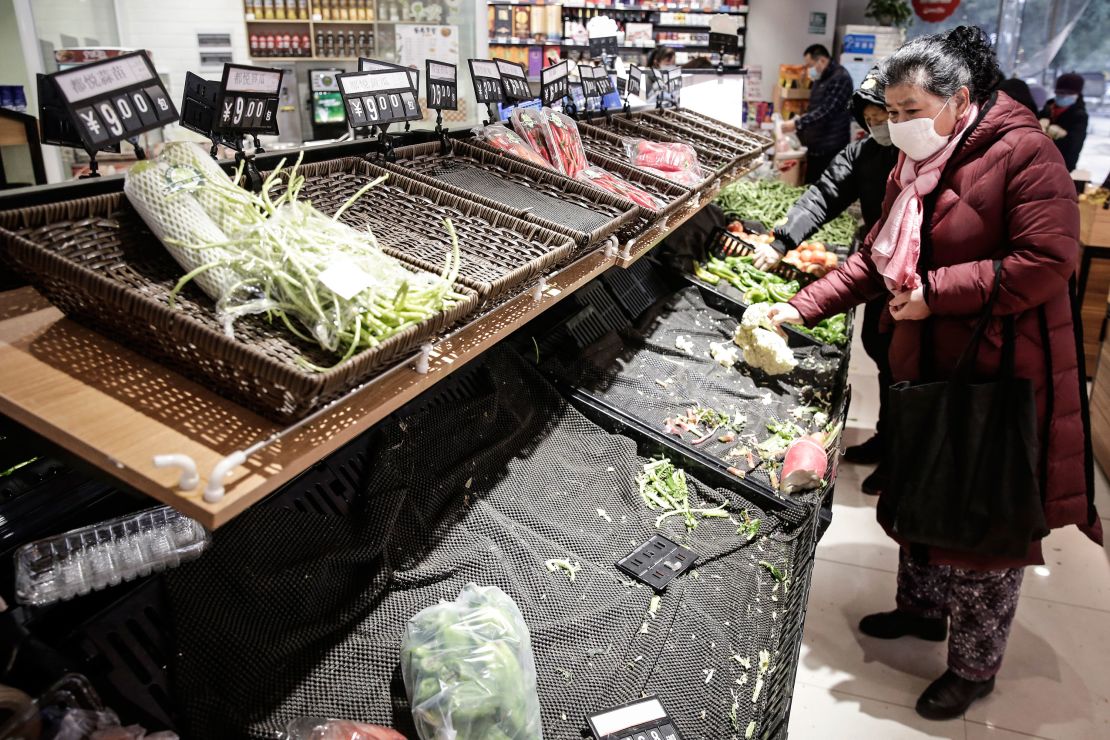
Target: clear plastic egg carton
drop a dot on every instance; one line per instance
(104, 554)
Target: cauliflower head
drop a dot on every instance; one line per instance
(762, 346)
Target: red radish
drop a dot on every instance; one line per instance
(805, 464)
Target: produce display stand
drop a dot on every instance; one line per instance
(116, 408)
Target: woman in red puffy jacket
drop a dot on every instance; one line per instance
(977, 181)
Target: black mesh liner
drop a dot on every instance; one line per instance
(505, 191)
(293, 613)
(641, 372)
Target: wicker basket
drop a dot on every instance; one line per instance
(670, 194)
(610, 143)
(640, 124)
(586, 215)
(95, 259)
(703, 123)
(499, 252)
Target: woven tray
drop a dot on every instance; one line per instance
(95, 260)
(670, 194)
(610, 143)
(673, 130)
(499, 252)
(704, 124)
(583, 213)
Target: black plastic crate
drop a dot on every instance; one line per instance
(638, 287)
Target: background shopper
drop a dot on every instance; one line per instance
(935, 252)
(858, 172)
(825, 128)
(1064, 118)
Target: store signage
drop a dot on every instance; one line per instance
(114, 99)
(554, 83)
(604, 81)
(373, 65)
(55, 125)
(643, 718)
(591, 84)
(658, 561)
(487, 81)
(934, 11)
(443, 85)
(724, 33)
(514, 80)
(378, 98)
(603, 46)
(635, 80)
(247, 102)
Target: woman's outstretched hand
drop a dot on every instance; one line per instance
(784, 313)
(909, 305)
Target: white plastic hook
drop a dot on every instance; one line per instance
(189, 478)
(627, 253)
(612, 245)
(425, 358)
(541, 286)
(214, 491)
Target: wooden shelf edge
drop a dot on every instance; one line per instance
(116, 409)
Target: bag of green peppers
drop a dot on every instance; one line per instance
(469, 671)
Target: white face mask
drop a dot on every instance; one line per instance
(880, 132)
(917, 137)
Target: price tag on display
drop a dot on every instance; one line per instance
(198, 106)
(443, 85)
(588, 75)
(487, 81)
(724, 33)
(674, 84)
(603, 46)
(114, 99)
(554, 83)
(374, 65)
(378, 98)
(644, 719)
(248, 100)
(514, 80)
(636, 81)
(604, 81)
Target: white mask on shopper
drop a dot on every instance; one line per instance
(917, 137)
(880, 132)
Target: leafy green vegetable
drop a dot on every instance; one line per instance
(749, 527)
(782, 434)
(663, 488)
(833, 330)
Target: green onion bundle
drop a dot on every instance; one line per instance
(325, 281)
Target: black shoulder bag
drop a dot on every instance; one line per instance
(964, 457)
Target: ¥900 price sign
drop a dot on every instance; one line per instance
(378, 98)
(248, 100)
(114, 99)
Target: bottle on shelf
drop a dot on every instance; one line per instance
(352, 50)
(319, 43)
(306, 45)
(324, 7)
(253, 44)
(361, 48)
(279, 10)
(329, 44)
(295, 45)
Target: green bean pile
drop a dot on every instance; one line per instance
(768, 201)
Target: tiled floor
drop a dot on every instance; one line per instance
(1055, 682)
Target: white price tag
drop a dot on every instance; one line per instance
(344, 278)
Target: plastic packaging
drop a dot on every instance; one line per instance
(529, 124)
(607, 181)
(510, 142)
(102, 555)
(469, 670)
(689, 178)
(669, 156)
(319, 728)
(564, 142)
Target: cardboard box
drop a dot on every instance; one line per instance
(1094, 225)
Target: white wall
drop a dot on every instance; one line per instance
(169, 30)
(778, 33)
(86, 20)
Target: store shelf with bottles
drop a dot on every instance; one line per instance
(274, 22)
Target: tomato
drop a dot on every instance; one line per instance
(831, 259)
(736, 227)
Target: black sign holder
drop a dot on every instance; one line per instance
(442, 84)
(488, 89)
(637, 81)
(97, 105)
(378, 98)
(555, 85)
(369, 65)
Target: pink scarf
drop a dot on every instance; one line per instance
(897, 248)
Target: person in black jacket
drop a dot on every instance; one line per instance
(859, 171)
(1064, 118)
(825, 127)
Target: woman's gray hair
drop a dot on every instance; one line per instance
(943, 63)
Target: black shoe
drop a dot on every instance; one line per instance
(874, 484)
(868, 453)
(895, 624)
(950, 696)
